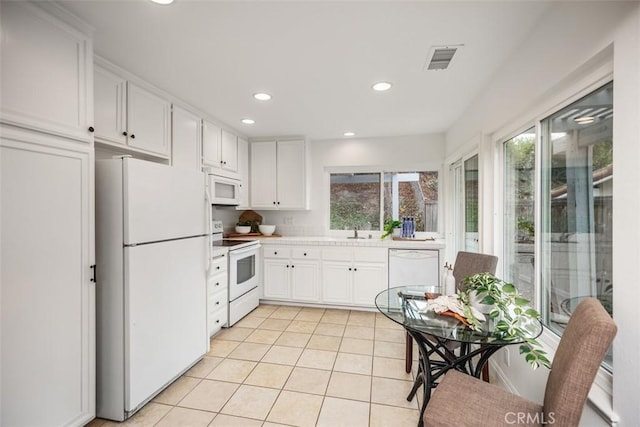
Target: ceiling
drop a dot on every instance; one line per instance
(318, 59)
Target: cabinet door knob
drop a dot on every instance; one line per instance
(355, 269)
(217, 283)
(349, 268)
(305, 254)
(278, 202)
(133, 136)
(124, 133)
(91, 129)
(292, 266)
(217, 302)
(218, 321)
(274, 203)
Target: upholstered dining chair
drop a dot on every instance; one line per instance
(466, 264)
(582, 348)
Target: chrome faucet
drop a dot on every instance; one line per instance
(355, 232)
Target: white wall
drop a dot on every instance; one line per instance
(415, 152)
(574, 42)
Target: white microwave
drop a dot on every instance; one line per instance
(224, 191)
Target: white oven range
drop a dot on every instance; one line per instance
(244, 274)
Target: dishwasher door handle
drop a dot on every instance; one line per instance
(413, 254)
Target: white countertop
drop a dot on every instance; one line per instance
(343, 241)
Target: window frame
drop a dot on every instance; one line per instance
(601, 393)
(377, 170)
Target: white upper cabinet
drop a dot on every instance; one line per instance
(211, 144)
(219, 148)
(243, 171)
(263, 175)
(131, 116)
(46, 73)
(110, 93)
(278, 175)
(147, 121)
(186, 137)
(229, 154)
(291, 180)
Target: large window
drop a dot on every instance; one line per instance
(367, 200)
(573, 239)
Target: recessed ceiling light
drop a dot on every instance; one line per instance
(584, 120)
(261, 96)
(248, 121)
(381, 86)
(162, 1)
(348, 134)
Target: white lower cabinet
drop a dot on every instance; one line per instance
(292, 274)
(349, 276)
(217, 294)
(47, 309)
(353, 276)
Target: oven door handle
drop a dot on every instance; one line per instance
(236, 253)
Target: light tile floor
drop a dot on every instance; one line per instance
(292, 366)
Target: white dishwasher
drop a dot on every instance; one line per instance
(414, 267)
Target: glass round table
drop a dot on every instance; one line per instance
(444, 342)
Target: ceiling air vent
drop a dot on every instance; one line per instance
(440, 57)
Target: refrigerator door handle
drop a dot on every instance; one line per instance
(207, 198)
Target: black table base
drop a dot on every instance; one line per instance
(431, 370)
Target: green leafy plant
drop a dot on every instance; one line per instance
(389, 226)
(511, 311)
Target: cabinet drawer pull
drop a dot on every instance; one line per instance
(305, 254)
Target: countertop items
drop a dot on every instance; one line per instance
(343, 241)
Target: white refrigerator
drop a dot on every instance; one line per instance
(152, 252)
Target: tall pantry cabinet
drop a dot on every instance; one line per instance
(47, 297)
